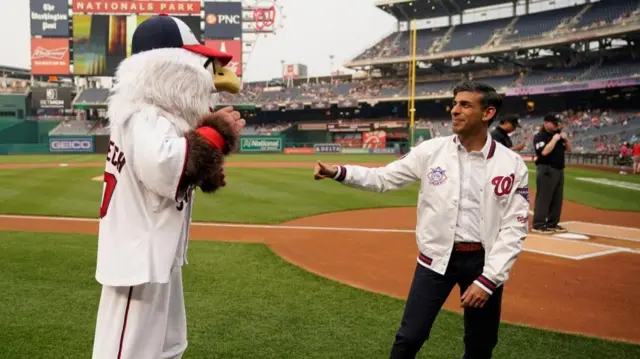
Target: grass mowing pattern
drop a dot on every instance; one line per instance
(252, 195)
(270, 195)
(242, 302)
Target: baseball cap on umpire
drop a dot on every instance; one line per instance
(552, 117)
(165, 31)
(512, 119)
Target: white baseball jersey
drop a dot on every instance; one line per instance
(144, 222)
(504, 203)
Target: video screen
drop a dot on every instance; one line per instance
(101, 42)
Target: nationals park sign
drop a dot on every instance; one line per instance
(261, 144)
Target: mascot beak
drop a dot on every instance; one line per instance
(224, 79)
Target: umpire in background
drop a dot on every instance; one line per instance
(508, 124)
(550, 144)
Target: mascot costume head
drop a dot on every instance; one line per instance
(172, 75)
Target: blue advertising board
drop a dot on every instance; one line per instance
(50, 18)
(327, 148)
(222, 20)
(78, 144)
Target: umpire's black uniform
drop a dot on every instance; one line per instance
(549, 180)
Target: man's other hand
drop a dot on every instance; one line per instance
(474, 297)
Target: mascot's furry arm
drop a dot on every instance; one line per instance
(207, 146)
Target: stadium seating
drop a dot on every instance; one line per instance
(73, 127)
(606, 12)
(92, 96)
(537, 24)
(469, 36)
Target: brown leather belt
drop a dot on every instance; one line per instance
(468, 247)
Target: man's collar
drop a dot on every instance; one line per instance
(488, 150)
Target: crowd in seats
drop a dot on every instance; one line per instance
(267, 128)
(14, 86)
(608, 12)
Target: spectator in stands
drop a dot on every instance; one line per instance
(635, 153)
(550, 145)
(508, 124)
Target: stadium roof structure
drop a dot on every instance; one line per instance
(14, 70)
(405, 10)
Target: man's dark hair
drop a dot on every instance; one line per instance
(490, 98)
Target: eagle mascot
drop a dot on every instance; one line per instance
(165, 141)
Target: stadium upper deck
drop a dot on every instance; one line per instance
(599, 19)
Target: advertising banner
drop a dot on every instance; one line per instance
(51, 98)
(574, 86)
(71, 144)
(296, 150)
(50, 56)
(327, 148)
(383, 151)
(232, 47)
(374, 139)
(50, 18)
(312, 127)
(349, 127)
(261, 144)
(353, 151)
(136, 7)
(223, 20)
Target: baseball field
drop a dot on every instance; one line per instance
(282, 266)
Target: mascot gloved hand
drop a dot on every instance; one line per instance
(215, 137)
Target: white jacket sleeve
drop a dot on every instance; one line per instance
(397, 174)
(514, 228)
(159, 156)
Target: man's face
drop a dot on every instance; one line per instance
(508, 127)
(468, 115)
(551, 126)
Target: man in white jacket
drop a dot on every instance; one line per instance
(473, 209)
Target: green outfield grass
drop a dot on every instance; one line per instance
(265, 195)
(239, 157)
(242, 302)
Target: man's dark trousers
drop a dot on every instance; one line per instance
(549, 193)
(429, 290)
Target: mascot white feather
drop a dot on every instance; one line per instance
(165, 141)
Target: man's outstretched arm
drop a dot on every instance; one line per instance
(396, 175)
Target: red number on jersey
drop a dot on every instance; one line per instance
(111, 183)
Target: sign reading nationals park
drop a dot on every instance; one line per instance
(136, 7)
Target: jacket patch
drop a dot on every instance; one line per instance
(437, 176)
(524, 192)
(502, 185)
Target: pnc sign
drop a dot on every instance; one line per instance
(223, 20)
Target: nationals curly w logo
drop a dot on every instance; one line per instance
(503, 185)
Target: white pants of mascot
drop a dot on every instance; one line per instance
(143, 321)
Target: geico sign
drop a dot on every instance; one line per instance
(223, 19)
(71, 145)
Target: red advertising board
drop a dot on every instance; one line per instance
(136, 7)
(50, 56)
(374, 139)
(233, 47)
(298, 150)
